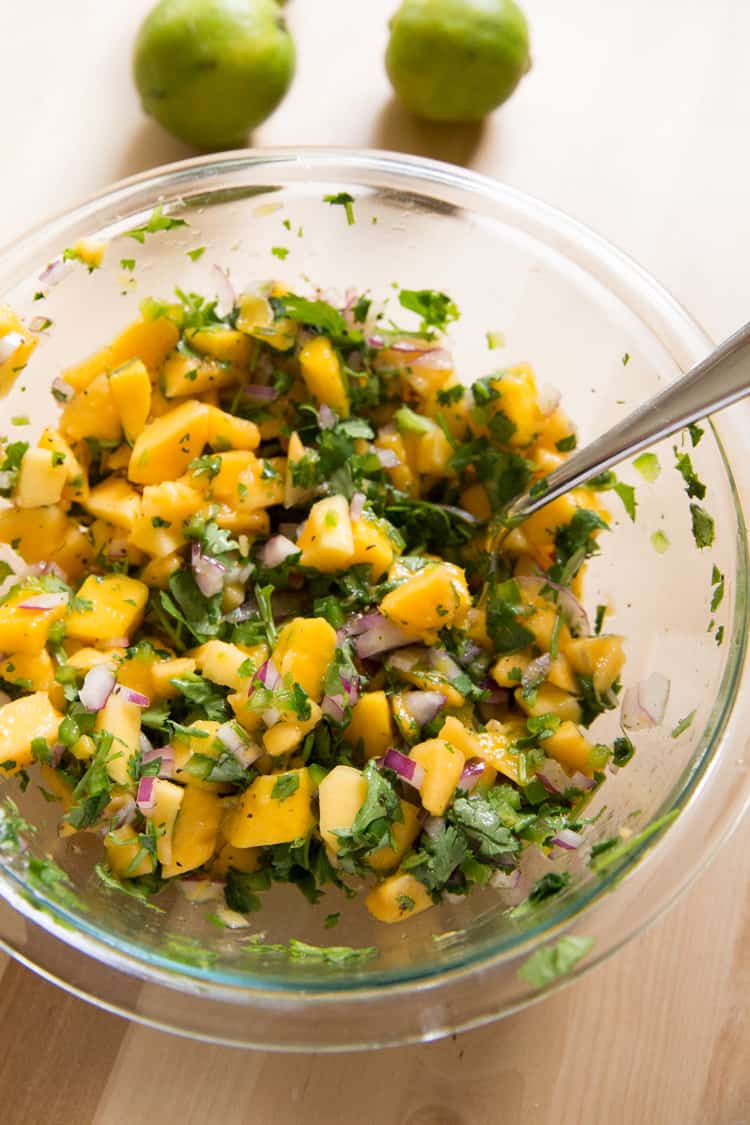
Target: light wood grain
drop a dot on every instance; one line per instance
(635, 120)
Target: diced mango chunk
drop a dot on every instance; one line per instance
(442, 765)
(147, 340)
(433, 599)
(165, 448)
(116, 501)
(371, 724)
(91, 413)
(122, 719)
(304, 649)
(126, 856)
(404, 834)
(117, 603)
(21, 344)
(220, 662)
(262, 819)
(34, 532)
(321, 370)
(372, 545)
(159, 529)
(21, 721)
(570, 747)
(602, 658)
(195, 831)
(130, 387)
(41, 479)
(341, 794)
(225, 431)
(286, 735)
(549, 699)
(398, 897)
(29, 669)
(168, 799)
(326, 541)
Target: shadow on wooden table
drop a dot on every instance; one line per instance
(148, 147)
(398, 130)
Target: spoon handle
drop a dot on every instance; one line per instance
(720, 379)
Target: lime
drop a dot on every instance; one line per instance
(457, 60)
(211, 70)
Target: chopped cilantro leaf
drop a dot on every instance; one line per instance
(342, 199)
(280, 252)
(437, 310)
(647, 464)
(660, 542)
(554, 961)
(702, 526)
(684, 724)
(197, 253)
(158, 222)
(617, 849)
(693, 485)
(567, 443)
(286, 784)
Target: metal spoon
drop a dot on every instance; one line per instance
(720, 379)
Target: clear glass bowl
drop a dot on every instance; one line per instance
(574, 307)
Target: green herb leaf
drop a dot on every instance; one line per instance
(702, 526)
(286, 784)
(554, 961)
(158, 222)
(437, 310)
(684, 724)
(342, 199)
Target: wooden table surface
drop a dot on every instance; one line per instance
(635, 120)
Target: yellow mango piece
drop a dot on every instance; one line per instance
(126, 857)
(57, 784)
(75, 556)
(493, 747)
(321, 370)
(510, 667)
(550, 700)
(87, 658)
(373, 545)
(26, 630)
(433, 599)
(570, 747)
(476, 501)
(41, 479)
(29, 668)
(202, 742)
(117, 605)
(165, 448)
(230, 858)
(460, 737)
(21, 721)
(76, 476)
(293, 494)
(190, 375)
(220, 662)
(404, 834)
(371, 724)
(442, 765)
(244, 523)
(261, 819)
(434, 454)
(326, 541)
(20, 340)
(602, 658)
(157, 572)
(227, 432)
(195, 832)
(425, 673)
(398, 897)
(122, 720)
(244, 714)
(147, 340)
(168, 799)
(519, 402)
(234, 467)
(34, 532)
(560, 674)
(91, 413)
(116, 501)
(158, 528)
(256, 318)
(111, 544)
(402, 475)
(164, 671)
(288, 733)
(225, 344)
(130, 387)
(304, 649)
(341, 794)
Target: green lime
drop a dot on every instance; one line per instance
(211, 70)
(457, 60)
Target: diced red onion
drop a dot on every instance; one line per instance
(271, 716)
(164, 754)
(380, 635)
(17, 568)
(546, 782)
(54, 272)
(505, 880)
(436, 359)
(644, 705)
(357, 505)
(276, 550)
(224, 290)
(579, 780)
(238, 743)
(444, 663)
(97, 686)
(568, 839)
(333, 707)
(375, 342)
(9, 345)
(406, 768)
(536, 672)
(145, 797)
(62, 389)
(125, 814)
(132, 696)
(114, 642)
(200, 888)
(462, 514)
(209, 573)
(388, 458)
(572, 610)
(471, 773)
(326, 417)
(408, 658)
(268, 675)
(260, 393)
(44, 602)
(548, 400)
(144, 743)
(434, 825)
(423, 706)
